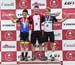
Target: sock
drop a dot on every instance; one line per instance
(22, 54)
(26, 53)
(53, 54)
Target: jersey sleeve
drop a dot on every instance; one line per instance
(42, 18)
(54, 18)
(30, 19)
(18, 20)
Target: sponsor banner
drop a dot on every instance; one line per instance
(38, 54)
(41, 11)
(19, 48)
(68, 34)
(18, 35)
(0, 24)
(0, 35)
(69, 55)
(7, 14)
(70, 12)
(54, 3)
(68, 44)
(0, 14)
(23, 4)
(8, 35)
(41, 63)
(68, 24)
(41, 3)
(57, 26)
(0, 57)
(0, 45)
(8, 46)
(68, 3)
(57, 10)
(19, 55)
(58, 55)
(58, 45)
(68, 62)
(8, 56)
(5, 63)
(8, 4)
(58, 34)
(7, 25)
(19, 12)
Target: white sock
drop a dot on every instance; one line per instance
(53, 54)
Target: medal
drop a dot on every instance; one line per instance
(24, 22)
(36, 23)
(47, 25)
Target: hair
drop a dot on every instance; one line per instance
(36, 6)
(25, 10)
(48, 8)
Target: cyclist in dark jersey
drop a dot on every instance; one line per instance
(24, 34)
(48, 29)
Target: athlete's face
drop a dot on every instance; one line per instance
(47, 12)
(24, 14)
(36, 10)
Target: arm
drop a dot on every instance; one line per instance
(30, 26)
(15, 19)
(62, 20)
(30, 21)
(55, 14)
(42, 18)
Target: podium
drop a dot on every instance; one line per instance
(37, 62)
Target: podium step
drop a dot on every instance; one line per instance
(9, 64)
(37, 62)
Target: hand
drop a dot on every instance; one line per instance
(57, 14)
(67, 17)
(13, 19)
(42, 33)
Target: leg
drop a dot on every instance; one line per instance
(52, 40)
(41, 41)
(33, 47)
(39, 34)
(45, 46)
(23, 38)
(26, 46)
(33, 40)
(26, 43)
(22, 50)
(26, 51)
(52, 46)
(45, 40)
